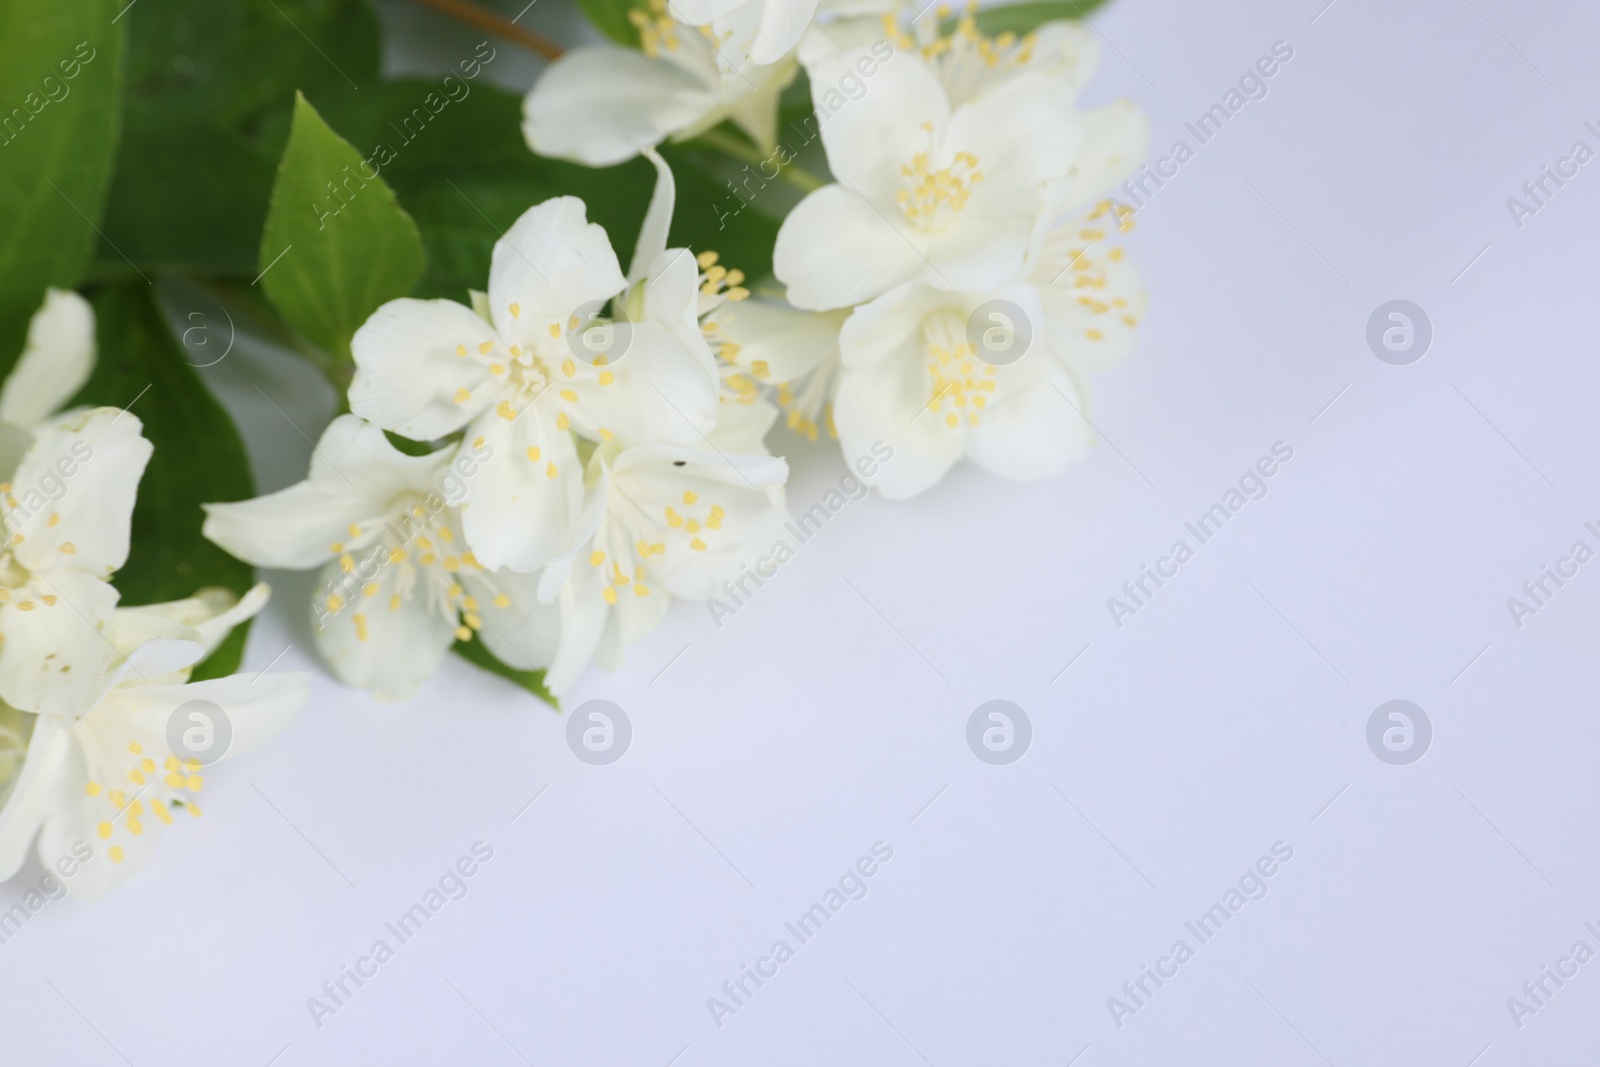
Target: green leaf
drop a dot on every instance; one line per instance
(1026, 17)
(532, 681)
(198, 457)
(336, 245)
(610, 17)
(60, 88)
(210, 91)
(465, 174)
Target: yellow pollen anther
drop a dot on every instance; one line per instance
(485, 348)
(533, 453)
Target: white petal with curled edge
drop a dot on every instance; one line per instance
(258, 706)
(56, 360)
(600, 104)
(205, 618)
(71, 499)
(551, 263)
(652, 241)
(835, 250)
(418, 367)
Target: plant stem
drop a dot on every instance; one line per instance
(741, 149)
(483, 18)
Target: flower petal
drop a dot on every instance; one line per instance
(388, 643)
(835, 249)
(869, 140)
(884, 395)
(652, 240)
(549, 266)
(1024, 133)
(782, 24)
(1115, 138)
(714, 514)
(71, 499)
(1034, 426)
(601, 104)
(36, 790)
(518, 630)
(357, 479)
(523, 500)
(56, 651)
(55, 362)
(659, 391)
(417, 367)
(258, 706)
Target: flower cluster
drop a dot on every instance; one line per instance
(954, 287)
(90, 690)
(586, 462)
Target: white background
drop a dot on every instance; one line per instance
(830, 713)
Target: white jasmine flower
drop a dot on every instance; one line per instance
(55, 362)
(661, 521)
(100, 784)
(926, 191)
(603, 104)
(66, 514)
(1000, 376)
(399, 584)
(520, 379)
